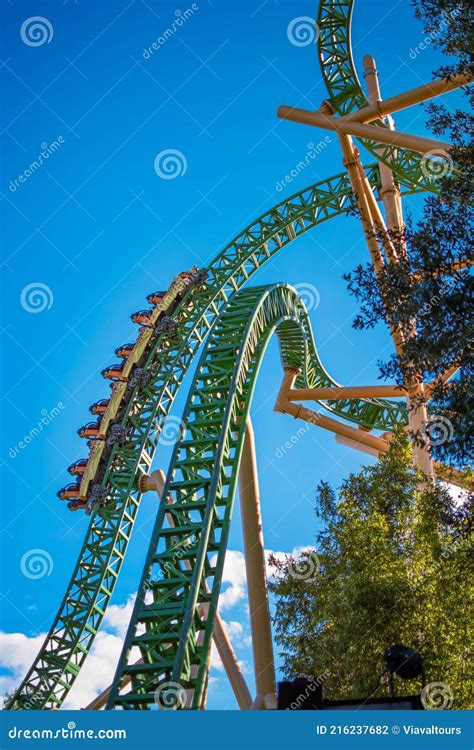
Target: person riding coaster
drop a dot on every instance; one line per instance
(99, 407)
(156, 297)
(90, 430)
(78, 468)
(125, 350)
(142, 317)
(114, 372)
(70, 491)
(78, 505)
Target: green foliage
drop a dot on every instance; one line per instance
(393, 565)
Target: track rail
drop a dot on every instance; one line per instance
(346, 94)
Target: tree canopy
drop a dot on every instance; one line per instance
(393, 558)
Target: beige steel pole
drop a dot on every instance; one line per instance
(389, 192)
(369, 215)
(351, 391)
(417, 412)
(376, 133)
(256, 573)
(298, 411)
(401, 101)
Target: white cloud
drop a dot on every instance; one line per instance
(98, 671)
(18, 651)
(233, 580)
(118, 616)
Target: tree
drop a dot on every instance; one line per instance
(392, 561)
(431, 285)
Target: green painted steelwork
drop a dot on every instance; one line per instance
(346, 94)
(100, 559)
(166, 650)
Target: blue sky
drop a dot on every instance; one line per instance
(100, 229)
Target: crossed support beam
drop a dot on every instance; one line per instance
(356, 122)
(347, 435)
(386, 244)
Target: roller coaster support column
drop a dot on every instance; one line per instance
(407, 99)
(256, 575)
(360, 130)
(298, 411)
(390, 195)
(389, 192)
(156, 481)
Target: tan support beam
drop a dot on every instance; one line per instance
(376, 133)
(357, 446)
(389, 191)
(353, 391)
(417, 414)
(401, 101)
(376, 215)
(350, 162)
(256, 574)
(444, 378)
(458, 265)
(298, 411)
(372, 221)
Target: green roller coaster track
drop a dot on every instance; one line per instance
(88, 593)
(345, 92)
(172, 633)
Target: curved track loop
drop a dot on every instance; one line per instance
(346, 94)
(93, 580)
(166, 651)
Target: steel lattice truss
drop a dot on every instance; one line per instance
(195, 512)
(345, 92)
(99, 563)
